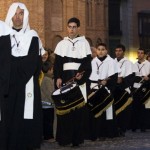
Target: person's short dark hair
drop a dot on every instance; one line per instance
(121, 46)
(142, 49)
(101, 44)
(46, 66)
(75, 20)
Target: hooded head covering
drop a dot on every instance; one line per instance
(11, 13)
(21, 40)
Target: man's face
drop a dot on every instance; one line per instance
(119, 53)
(140, 54)
(101, 51)
(72, 29)
(18, 18)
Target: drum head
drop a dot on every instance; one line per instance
(64, 89)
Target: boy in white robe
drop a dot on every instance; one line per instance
(104, 72)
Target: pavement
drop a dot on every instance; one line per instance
(132, 141)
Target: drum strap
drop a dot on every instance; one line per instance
(83, 91)
(109, 113)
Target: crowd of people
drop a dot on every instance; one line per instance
(85, 92)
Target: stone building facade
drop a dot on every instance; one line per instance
(49, 18)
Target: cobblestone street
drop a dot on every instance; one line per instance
(132, 141)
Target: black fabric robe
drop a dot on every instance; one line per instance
(5, 56)
(23, 133)
(70, 127)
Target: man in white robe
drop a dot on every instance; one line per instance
(23, 111)
(73, 57)
(141, 91)
(122, 94)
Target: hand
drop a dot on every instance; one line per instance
(59, 83)
(103, 82)
(78, 76)
(119, 80)
(146, 78)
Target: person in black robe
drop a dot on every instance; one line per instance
(5, 56)
(73, 56)
(23, 110)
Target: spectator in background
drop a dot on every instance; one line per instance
(47, 87)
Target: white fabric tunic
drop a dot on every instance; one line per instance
(126, 67)
(77, 48)
(102, 70)
(143, 69)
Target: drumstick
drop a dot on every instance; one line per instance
(75, 77)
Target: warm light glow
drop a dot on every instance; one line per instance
(132, 56)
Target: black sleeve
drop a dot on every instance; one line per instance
(112, 82)
(86, 67)
(58, 67)
(127, 81)
(5, 63)
(27, 65)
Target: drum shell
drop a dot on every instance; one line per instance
(99, 102)
(65, 102)
(122, 100)
(142, 93)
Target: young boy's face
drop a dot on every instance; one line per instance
(101, 51)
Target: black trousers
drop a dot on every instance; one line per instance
(138, 114)
(48, 120)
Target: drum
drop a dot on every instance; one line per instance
(142, 93)
(99, 100)
(122, 100)
(68, 98)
